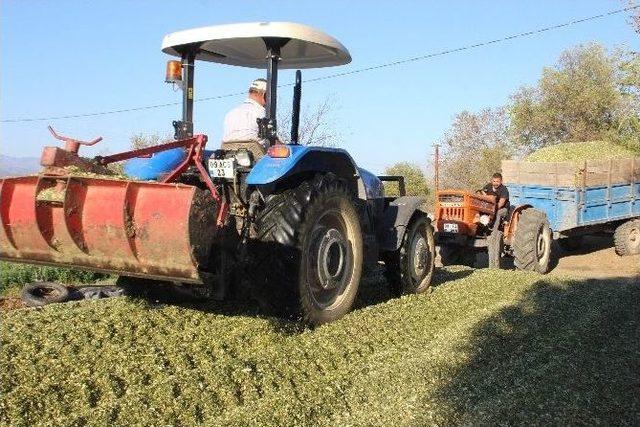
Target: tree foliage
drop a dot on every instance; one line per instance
(141, 140)
(590, 94)
(415, 181)
(473, 148)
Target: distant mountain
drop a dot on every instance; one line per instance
(10, 166)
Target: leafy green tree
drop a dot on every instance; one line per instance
(591, 94)
(474, 147)
(414, 179)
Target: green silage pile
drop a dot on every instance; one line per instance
(486, 347)
(578, 152)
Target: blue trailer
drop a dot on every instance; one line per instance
(597, 196)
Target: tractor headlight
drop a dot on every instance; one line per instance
(243, 158)
(484, 219)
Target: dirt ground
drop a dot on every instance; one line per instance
(596, 259)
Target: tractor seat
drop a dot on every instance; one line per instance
(254, 147)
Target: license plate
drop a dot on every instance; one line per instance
(450, 227)
(222, 168)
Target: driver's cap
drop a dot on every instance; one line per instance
(259, 85)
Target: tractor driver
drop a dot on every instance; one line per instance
(240, 124)
(495, 188)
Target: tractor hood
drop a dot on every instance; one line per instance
(244, 45)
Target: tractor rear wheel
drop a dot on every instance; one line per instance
(627, 238)
(311, 248)
(409, 269)
(532, 241)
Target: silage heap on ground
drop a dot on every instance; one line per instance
(578, 152)
(485, 347)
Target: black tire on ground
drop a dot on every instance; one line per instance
(627, 238)
(494, 249)
(38, 294)
(532, 241)
(570, 244)
(457, 255)
(310, 250)
(409, 269)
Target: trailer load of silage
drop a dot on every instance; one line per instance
(575, 164)
(579, 152)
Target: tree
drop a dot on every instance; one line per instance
(141, 140)
(474, 147)
(590, 94)
(317, 124)
(414, 180)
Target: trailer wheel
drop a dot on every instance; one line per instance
(409, 269)
(312, 249)
(38, 294)
(627, 238)
(494, 249)
(532, 241)
(457, 255)
(570, 244)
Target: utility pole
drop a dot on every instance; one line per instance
(436, 168)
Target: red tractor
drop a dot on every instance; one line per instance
(464, 223)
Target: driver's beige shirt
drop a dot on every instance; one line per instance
(240, 124)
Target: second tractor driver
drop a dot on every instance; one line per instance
(495, 188)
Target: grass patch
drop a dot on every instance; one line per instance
(486, 347)
(13, 275)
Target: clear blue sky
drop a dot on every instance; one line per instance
(68, 57)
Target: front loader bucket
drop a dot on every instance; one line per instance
(144, 229)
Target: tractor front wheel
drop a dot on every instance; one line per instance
(532, 241)
(409, 269)
(314, 247)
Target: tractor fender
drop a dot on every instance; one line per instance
(512, 225)
(303, 159)
(395, 219)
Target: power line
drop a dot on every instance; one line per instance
(345, 73)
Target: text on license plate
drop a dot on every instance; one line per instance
(450, 227)
(222, 168)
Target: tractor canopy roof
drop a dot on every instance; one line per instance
(244, 45)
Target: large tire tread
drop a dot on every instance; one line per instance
(525, 238)
(280, 228)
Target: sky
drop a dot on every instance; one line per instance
(75, 57)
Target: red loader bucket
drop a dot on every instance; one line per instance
(144, 229)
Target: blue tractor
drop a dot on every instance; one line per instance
(307, 219)
(302, 223)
